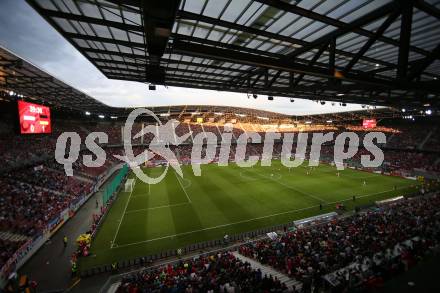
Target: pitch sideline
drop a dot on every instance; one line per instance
(250, 220)
(123, 215)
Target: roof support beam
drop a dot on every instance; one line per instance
(428, 8)
(258, 61)
(346, 28)
(280, 64)
(258, 32)
(311, 62)
(105, 40)
(87, 19)
(405, 38)
(334, 22)
(257, 79)
(274, 78)
(158, 20)
(331, 58)
(420, 66)
(388, 21)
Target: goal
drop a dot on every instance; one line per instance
(129, 185)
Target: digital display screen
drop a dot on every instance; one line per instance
(369, 123)
(33, 118)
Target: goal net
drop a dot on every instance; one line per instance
(129, 185)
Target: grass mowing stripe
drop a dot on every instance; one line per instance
(123, 214)
(219, 226)
(226, 201)
(253, 219)
(292, 188)
(371, 194)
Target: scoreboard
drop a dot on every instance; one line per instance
(33, 118)
(369, 123)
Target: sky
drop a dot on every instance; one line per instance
(24, 32)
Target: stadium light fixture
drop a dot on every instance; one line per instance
(241, 115)
(308, 122)
(87, 113)
(377, 65)
(329, 121)
(340, 94)
(11, 93)
(403, 110)
(113, 117)
(218, 113)
(101, 116)
(428, 112)
(164, 114)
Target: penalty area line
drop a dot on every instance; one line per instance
(158, 207)
(183, 188)
(122, 217)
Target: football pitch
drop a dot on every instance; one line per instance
(227, 200)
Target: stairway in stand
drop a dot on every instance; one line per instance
(266, 270)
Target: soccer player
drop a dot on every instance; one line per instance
(365, 182)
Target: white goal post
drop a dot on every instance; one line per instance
(129, 185)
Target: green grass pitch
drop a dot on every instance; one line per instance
(227, 200)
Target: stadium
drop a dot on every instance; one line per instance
(219, 146)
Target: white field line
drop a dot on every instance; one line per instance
(123, 214)
(158, 207)
(216, 227)
(183, 188)
(371, 194)
(250, 220)
(292, 188)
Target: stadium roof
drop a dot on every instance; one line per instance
(31, 83)
(25, 79)
(368, 52)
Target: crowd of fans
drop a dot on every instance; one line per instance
(221, 272)
(30, 197)
(309, 254)
(8, 248)
(357, 252)
(26, 209)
